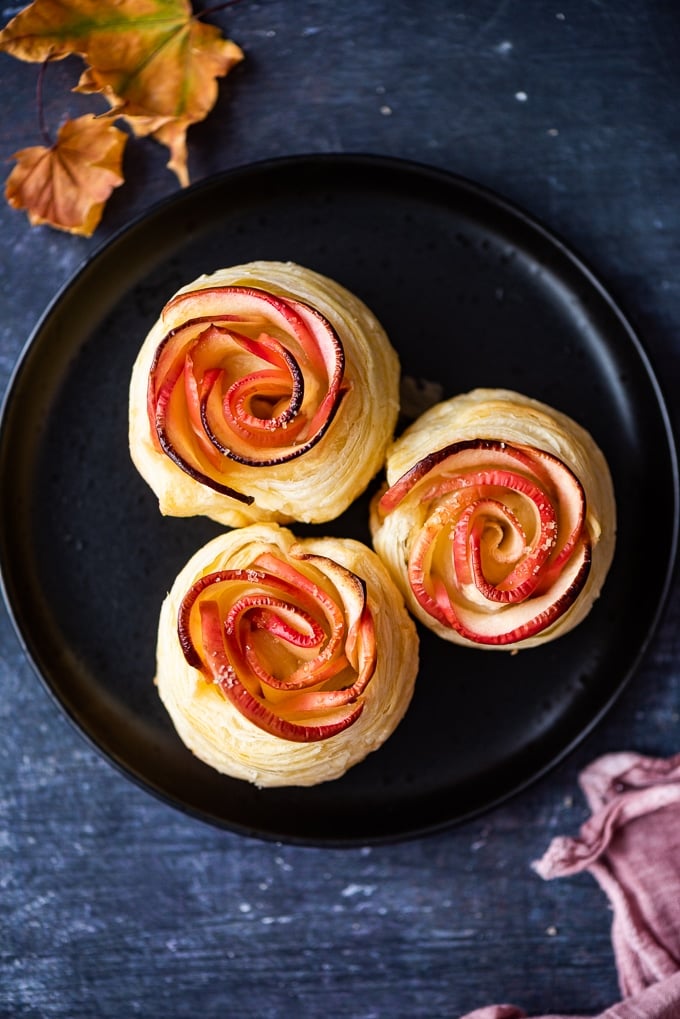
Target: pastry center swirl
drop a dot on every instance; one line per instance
(290, 645)
(501, 547)
(248, 377)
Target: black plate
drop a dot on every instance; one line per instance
(472, 292)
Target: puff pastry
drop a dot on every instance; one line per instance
(264, 391)
(498, 520)
(284, 662)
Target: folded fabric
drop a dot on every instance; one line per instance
(631, 846)
(661, 1001)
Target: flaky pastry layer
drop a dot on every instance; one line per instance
(510, 417)
(215, 730)
(320, 484)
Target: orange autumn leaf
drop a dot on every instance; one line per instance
(67, 184)
(153, 60)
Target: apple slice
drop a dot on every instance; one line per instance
(502, 549)
(255, 708)
(292, 647)
(248, 377)
(519, 621)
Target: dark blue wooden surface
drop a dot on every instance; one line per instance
(111, 903)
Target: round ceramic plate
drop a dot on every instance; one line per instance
(472, 292)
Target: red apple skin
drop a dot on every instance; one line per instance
(203, 445)
(460, 481)
(215, 641)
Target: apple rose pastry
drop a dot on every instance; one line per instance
(263, 392)
(284, 662)
(498, 520)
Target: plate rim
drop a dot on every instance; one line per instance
(389, 164)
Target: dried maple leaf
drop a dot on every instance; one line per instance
(67, 184)
(153, 60)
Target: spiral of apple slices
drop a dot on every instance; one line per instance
(284, 661)
(263, 392)
(498, 520)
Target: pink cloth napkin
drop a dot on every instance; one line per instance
(631, 846)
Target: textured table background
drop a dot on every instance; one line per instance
(113, 904)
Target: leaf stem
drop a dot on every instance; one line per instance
(40, 104)
(217, 7)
